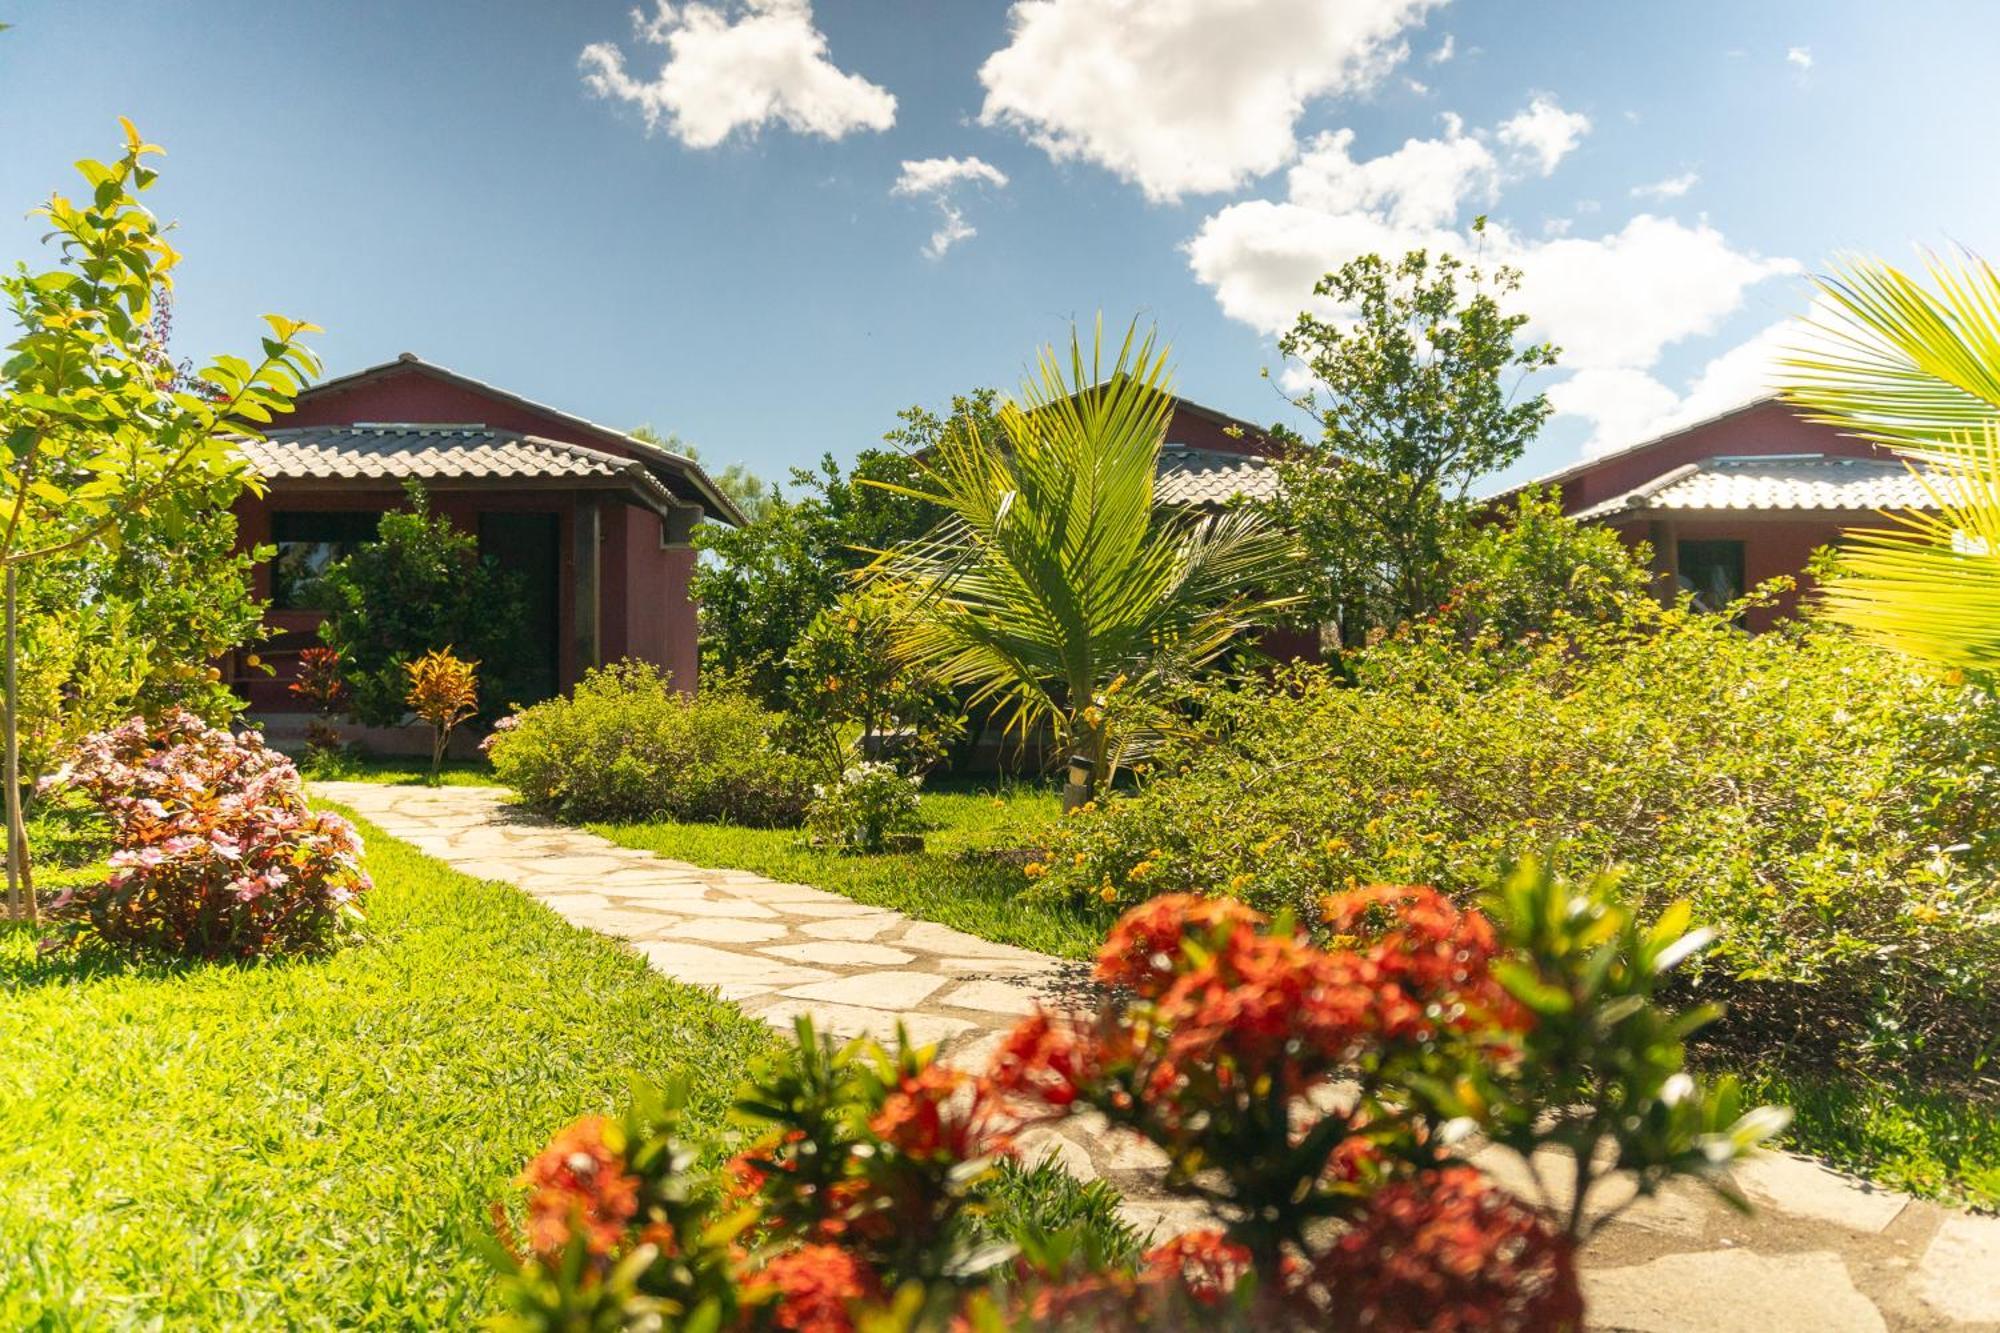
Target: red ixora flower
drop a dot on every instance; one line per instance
(579, 1185)
(939, 1115)
(1449, 1251)
(1431, 961)
(1205, 1264)
(1143, 951)
(813, 1289)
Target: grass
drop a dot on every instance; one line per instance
(315, 1144)
(1933, 1145)
(955, 880)
(401, 771)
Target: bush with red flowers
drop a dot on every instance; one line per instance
(1329, 1106)
(217, 853)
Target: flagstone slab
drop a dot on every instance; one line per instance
(993, 997)
(1959, 1275)
(1807, 1189)
(928, 937)
(853, 927)
(703, 965)
(876, 989)
(1731, 1291)
(849, 1021)
(842, 953)
(727, 930)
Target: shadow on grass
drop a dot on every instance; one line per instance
(27, 962)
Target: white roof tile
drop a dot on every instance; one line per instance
(1810, 483)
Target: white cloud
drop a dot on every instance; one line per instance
(1672, 187)
(950, 232)
(1627, 407)
(738, 66)
(1422, 184)
(937, 178)
(1623, 298)
(1185, 96)
(1545, 132)
(1801, 57)
(1444, 51)
(1614, 302)
(934, 175)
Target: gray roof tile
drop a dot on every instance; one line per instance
(1208, 477)
(1776, 483)
(398, 453)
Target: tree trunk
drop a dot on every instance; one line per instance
(20, 878)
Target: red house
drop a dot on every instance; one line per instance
(598, 524)
(1739, 498)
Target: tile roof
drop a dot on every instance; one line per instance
(677, 471)
(1816, 482)
(396, 453)
(1210, 477)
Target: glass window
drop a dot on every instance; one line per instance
(1712, 571)
(308, 541)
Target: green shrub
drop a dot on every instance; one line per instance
(626, 745)
(864, 807)
(421, 586)
(1822, 802)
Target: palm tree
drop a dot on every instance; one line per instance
(1918, 370)
(1054, 586)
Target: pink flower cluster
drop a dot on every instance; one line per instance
(218, 854)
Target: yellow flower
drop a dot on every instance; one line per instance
(1143, 869)
(1080, 858)
(1240, 882)
(1035, 870)
(1108, 894)
(1335, 846)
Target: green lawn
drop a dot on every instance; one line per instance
(955, 880)
(315, 1144)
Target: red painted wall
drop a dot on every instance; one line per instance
(1765, 428)
(1775, 542)
(644, 610)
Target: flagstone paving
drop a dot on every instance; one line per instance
(1823, 1251)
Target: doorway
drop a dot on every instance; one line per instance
(529, 546)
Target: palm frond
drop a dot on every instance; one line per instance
(1054, 572)
(1893, 361)
(1930, 584)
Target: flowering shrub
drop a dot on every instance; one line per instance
(1825, 804)
(871, 801)
(626, 745)
(1321, 1102)
(444, 692)
(851, 697)
(218, 855)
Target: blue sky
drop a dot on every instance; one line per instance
(480, 184)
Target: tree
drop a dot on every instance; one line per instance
(763, 583)
(1053, 581)
(99, 427)
(1919, 371)
(419, 587)
(131, 626)
(1414, 407)
(745, 489)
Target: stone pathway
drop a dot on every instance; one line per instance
(1823, 1252)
